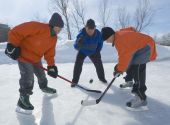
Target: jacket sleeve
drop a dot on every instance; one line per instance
(49, 56)
(77, 44)
(100, 42)
(20, 32)
(125, 56)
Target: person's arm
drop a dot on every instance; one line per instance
(49, 56)
(100, 42)
(124, 60)
(22, 31)
(125, 54)
(79, 41)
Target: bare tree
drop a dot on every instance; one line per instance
(143, 15)
(62, 7)
(104, 11)
(78, 13)
(165, 39)
(123, 17)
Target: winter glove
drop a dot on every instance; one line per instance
(12, 51)
(116, 73)
(80, 42)
(52, 71)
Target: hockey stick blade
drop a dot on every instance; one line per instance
(96, 91)
(89, 90)
(88, 102)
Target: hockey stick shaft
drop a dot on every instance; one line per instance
(61, 77)
(103, 94)
(94, 102)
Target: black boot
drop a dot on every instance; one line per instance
(74, 83)
(49, 90)
(24, 103)
(103, 80)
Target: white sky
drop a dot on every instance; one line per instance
(14, 12)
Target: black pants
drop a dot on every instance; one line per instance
(138, 74)
(95, 58)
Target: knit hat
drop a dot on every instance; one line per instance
(107, 32)
(90, 24)
(56, 20)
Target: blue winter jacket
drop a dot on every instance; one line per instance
(90, 44)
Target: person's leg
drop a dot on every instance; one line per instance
(42, 80)
(139, 87)
(27, 78)
(96, 59)
(140, 78)
(78, 68)
(26, 85)
(128, 78)
(40, 74)
(129, 74)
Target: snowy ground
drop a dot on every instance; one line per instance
(66, 108)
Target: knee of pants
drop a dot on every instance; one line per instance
(26, 83)
(137, 88)
(27, 79)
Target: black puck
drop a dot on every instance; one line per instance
(91, 81)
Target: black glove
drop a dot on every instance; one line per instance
(116, 73)
(12, 51)
(52, 71)
(80, 42)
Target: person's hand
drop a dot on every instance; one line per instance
(52, 71)
(12, 51)
(116, 73)
(80, 41)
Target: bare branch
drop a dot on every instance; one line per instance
(123, 17)
(62, 7)
(104, 11)
(78, 13)
(143, 15)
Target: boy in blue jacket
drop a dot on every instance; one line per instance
(89, 43)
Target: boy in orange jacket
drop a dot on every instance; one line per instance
(28, 43)
(134, 51)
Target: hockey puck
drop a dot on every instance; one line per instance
(91, 81)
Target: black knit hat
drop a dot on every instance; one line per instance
(56, 20)
(107, 32)
(90, 24)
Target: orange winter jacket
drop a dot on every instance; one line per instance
(127, 41)
(35, 41)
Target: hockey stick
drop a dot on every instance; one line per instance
(61, 77)
(94, 102)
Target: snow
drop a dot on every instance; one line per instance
(65, 109)
(65, 53)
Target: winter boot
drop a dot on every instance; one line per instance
(126, 84)
(103, 81)
(49, 90)
(74, 83)
(137, 104)
(24, 106)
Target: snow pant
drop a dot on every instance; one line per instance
(95, 58)
(137, 71)
(27, 71)
(129, 74)
(138, 74)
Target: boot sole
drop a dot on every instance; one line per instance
(141, 108)
(23, 111)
